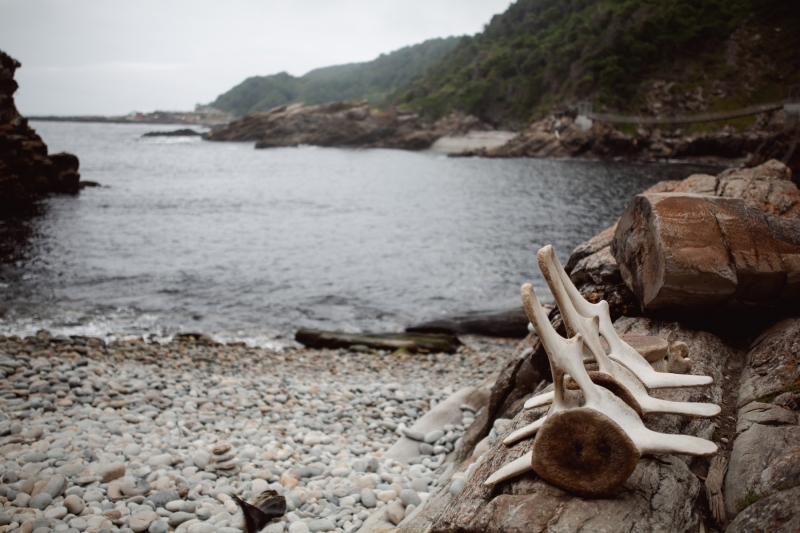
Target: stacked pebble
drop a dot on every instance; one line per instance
(136, 436)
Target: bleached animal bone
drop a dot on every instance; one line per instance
(588, 327)
(588, 449)
(620, 351)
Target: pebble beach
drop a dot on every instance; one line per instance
(133, 435)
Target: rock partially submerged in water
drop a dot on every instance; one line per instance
(185, 132)
(412, 342)
(26, 170)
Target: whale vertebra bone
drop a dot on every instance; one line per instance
(588, 445)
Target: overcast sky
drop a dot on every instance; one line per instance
(115, 56)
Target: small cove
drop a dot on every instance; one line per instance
(220, 238)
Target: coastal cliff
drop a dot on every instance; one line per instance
(27, 171)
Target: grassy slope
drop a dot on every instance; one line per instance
(544, 52)
(372, 80)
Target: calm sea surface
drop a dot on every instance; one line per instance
(220, 238)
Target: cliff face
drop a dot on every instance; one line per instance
(27, 171)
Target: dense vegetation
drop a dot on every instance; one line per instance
(372, 80)
(545, 52)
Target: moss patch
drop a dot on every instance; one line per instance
(769, 398)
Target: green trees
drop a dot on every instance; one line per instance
(541, 52)
(372, 80)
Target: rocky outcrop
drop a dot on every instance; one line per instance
(594, 270)
(694, 253)
(762, 409)
(765, 461)
(26, 170)
(562, 137)
(659, 496)
(347, 124)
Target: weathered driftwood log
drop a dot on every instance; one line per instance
(413, 342)
(512, 324)
(687, 252)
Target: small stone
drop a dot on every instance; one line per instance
(413, 434)
(420, 484)
(161, 498)
(298, 527)
(368, 498)
(142, 519)
(57, 512)
(41, 501)
(387, 495)
(457, 486)
(425, 448)
(93, 495)
(163, 459)
(53, 485)
(221, 448)
(395, 512)
(78, 523)
(74, 504)
(111, 471)
(203, 527)
(158, 526)
(433, 436)
(114, 492)
(203, 513)
(202, 459)
(320, 525)
(178, 518)
(132, 450)
(410, 497)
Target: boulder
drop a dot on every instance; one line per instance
(709, 356)
(775, 513)
(765, 459)
(773, 364)
(692, 253)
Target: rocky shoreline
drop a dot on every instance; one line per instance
(356, 125)
(136, 436)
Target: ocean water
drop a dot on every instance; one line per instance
(193, 236)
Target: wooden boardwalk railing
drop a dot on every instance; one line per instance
(701, 117)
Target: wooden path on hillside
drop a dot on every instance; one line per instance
(701, 117)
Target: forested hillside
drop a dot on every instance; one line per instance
(639, 56)
(372, 80)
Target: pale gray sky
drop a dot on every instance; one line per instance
(116, 56)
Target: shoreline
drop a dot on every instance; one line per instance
(132, 436)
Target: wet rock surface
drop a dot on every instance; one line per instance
(142, 436)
